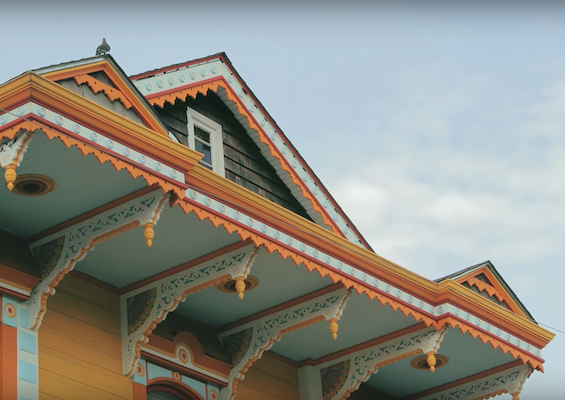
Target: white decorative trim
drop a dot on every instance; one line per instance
(364, 363)
(94, 138)
(13, 151)
(510, 381)
(166, 294)
(194, 118)
(71, 245)
(260, 335)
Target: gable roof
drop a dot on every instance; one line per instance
(216, 73)
(483, 278)
(117, 87)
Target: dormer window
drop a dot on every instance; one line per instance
(205, 136)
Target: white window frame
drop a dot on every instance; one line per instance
(216, 143)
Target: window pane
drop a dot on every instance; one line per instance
(204, 149)
(202, 134)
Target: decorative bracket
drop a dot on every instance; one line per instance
(344, 375)
(12, 154)
(248, 342)
(144, 308)
(58, 253)
(509, 381)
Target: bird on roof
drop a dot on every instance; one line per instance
(103, 48)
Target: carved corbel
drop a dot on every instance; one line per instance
(144, 308)
(431, 347)
(12, 154)
(248, 342)
(344, 375)
(58, 253)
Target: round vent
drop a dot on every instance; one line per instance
(229, 286)
(33, 185)
(421, 362)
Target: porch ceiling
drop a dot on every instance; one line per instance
(467, 356)
(179, 238)
(362, 320)
(82, 185)
(279, 281)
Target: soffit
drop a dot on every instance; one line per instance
(82, 185)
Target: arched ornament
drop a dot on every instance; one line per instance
(12, 154)
(362, 364)
(248, 342)
(142, 309)
(58, 253)
(510, 381)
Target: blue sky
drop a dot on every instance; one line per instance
(439, 129)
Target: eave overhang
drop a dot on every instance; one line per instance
(29, 99)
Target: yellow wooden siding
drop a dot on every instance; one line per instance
(80, 345)
(269, 379)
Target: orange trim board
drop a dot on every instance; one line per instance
(125, 93)
(219, 82)
(496, 289)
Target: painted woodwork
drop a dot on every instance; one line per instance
(186, 351)
(152, 377)
(79, 345)
(248, 342)
(18, 352)
(342, 376)
(58, 253)
(244, 163)
(487, 321)
(102, 94)
(510, 381)
(93, 129)
(165, 295)
(11, 156)
(268, 137)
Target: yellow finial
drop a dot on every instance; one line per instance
(334, 327)
(516, 396)
(432, 360)
(10, 176)
(149, 233)
(240, 286)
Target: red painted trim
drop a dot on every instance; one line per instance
(171, 366)
(280, 307)
(8, 361)
(18, 278)
(176, 386)
(93, 213)
(184, 266)
(16, 295)
(139, 391)
(168, 389)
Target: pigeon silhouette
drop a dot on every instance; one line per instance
(103, 48)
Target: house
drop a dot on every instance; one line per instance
(161, 238)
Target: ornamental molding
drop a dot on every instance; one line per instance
(12, 154)
(215, 75)
(436, 315)
(144, 308)
(33, 117)
(58, 253)
(248, 342)
(509, 381)
(339, 382)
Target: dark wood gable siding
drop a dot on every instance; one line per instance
(243, 161)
